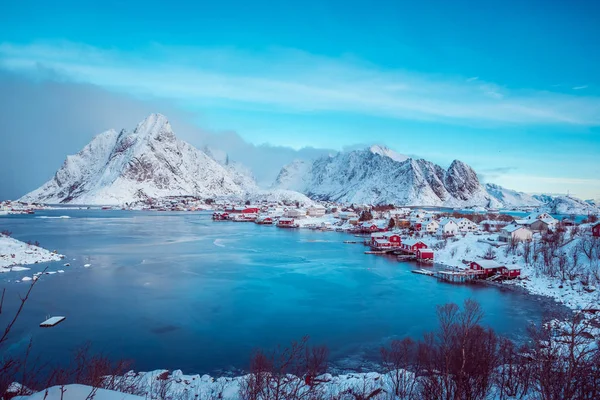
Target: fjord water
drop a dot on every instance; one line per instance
(178, 291)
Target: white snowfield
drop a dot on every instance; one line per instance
(14, 253)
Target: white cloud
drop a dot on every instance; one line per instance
(580, 87)
(285, 80)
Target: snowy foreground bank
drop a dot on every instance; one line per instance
(150, 385)
(14, 253)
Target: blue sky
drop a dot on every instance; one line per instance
(511, 87)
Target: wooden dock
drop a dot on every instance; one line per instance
(422, 272)
(460, 276)
(53, 321)
(405, 257)
(378, 251)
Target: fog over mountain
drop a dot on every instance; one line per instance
(60, 118)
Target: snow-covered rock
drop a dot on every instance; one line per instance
(116, 168)
(13, 253)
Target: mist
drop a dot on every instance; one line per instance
(43, 121)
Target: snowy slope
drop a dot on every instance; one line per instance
(241, 174)
(146, 162)
(570, 205)
(510, 198)
(293, 176)
(377, 176)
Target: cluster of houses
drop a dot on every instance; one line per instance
(391, 241)
(522, 230)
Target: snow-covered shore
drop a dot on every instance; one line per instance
(14, 254)
(471, 247)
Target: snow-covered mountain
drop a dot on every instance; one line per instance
(570, 205)
(508, 198)
(377, 175)
(241, 174)
(115, 168)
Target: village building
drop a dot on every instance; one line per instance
(537, 215)
(431, 226)
(286, 223)
(425, 254)
(515, 233)
(447, 227)
(346, 215)
(596, 230)
(371, 226)
(294, 213)
(511, 271)
(316, 211)
(264, 220)
(496, 270)
(466, 225)
(490, 267)
(542, 225)
(412, 245)
(385, 240)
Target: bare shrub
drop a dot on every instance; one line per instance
(290, 373)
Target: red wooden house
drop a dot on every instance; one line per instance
(424, 254)
(286, 223)
(385, 240)
(490, 267)
(510, 271)
(412, 245)
(596, 230)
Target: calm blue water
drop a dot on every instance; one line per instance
(176, 290)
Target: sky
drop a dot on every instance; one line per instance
(510, 87)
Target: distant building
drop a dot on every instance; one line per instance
(412, 245)
(542, 225)
(431, 226)
(346, 215)
(447, 227)
(466, 225)
(294, 213)
(515, 232)
(316, 211)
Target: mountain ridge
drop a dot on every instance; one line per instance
(374, 176)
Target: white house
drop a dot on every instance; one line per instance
(466, 225)
(346, 215)
(537, 215)
(316, 211)
(516, 233)
(431, 226)
(447, 227)
(294, 213)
